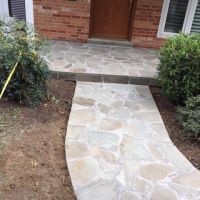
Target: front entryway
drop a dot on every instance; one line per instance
(94, 62)
(111, 18)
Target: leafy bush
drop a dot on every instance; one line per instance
(189, 117)
(28, 84)
(179, 69)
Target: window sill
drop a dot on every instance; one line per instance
(165, 35)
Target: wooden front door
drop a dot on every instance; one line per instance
(111, 18)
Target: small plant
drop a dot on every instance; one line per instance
(179, 69)
(189, 117)
(29, 82)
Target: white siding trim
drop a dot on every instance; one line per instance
(190, 16)
(187, 22)
(29, 11)
(4, 11)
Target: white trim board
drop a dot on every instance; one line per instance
(4, 11)
(29, 11)
(187, 22)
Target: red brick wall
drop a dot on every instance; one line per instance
(69, 20)
(146, 22)
(62, 19)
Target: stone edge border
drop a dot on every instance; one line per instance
(104, 78)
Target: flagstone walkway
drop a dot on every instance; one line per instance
(102, 63)
(117, 147)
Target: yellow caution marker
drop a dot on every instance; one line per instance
(10, 76)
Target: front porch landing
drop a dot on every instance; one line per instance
(102, 63)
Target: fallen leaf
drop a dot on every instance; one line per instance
(36, 183)
(34, 164)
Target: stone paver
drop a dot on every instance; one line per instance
(117, 147)
(76, 58)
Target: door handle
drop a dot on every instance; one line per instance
(131, 1)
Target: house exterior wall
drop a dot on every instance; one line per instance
(146, 23)
(70, 20)
(62, 19)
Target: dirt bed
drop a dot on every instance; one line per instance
(189, 147)
(32, 154)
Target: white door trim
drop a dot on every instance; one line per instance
(29, 11)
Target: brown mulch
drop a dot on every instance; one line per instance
(32, 154)
(189, 147)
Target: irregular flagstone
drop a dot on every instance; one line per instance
(134, 149)
(102, 139)
(130, 195)
(190, 180)
(164, 193)
(128, 173)
(83, 117)
(109, 172)
(145, 104)
(176, 158)
(120, 113)
(105, 154)
(155, 151)
(101, 59)
(109, 124)
(83, 171)
(185, 192)
(76, 149)
(76, 132)
(84, 101)
(155, 172)
(117, 147)
(136, 128)
(142, 186)
(99, 191)
(103, 108)
(148, 117)
(159, 130)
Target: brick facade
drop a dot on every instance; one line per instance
(69, 20)
(62, 19)
(146, 22)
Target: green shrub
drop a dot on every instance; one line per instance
(189, 117)
(179, 69)
(29, 82)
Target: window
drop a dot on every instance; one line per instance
(17, 9)
(177, 17)
(196, 22)
(4, 9)
(21, 9)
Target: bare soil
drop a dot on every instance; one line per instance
(188, 146)
(32, 153)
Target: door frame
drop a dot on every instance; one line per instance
(131, 19)
(29, 11)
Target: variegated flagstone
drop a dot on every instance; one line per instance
(77, 57)
(117, 147)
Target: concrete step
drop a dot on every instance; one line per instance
(104, 78)
(111, 42)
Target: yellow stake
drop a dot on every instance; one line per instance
(10, 76)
